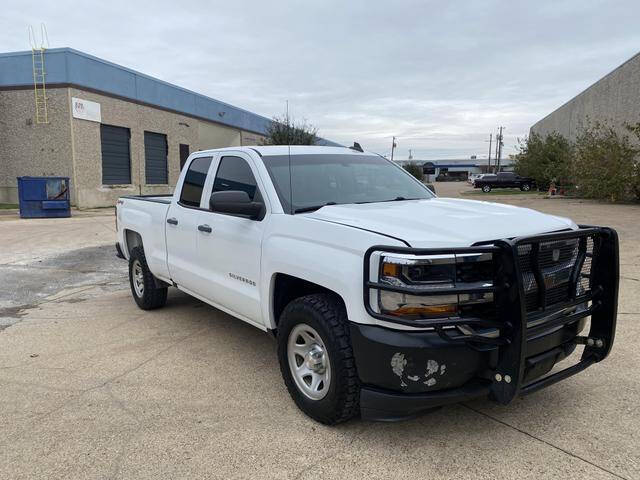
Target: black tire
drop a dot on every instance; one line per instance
(525, 187)
(326, 314)
(486, 188)
(150, 296)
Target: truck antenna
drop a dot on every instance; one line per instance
(289, 149)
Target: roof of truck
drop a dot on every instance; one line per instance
(271, 150)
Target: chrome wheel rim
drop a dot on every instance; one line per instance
(525, 188)
(309, 362)
(137, 277)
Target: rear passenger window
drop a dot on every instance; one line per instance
(234, 173)
(194, 182)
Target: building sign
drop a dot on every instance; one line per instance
(85, 110)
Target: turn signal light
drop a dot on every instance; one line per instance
(425, 310)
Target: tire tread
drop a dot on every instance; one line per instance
(333, 314)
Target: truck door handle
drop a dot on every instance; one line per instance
(205, 228)
(172, 221)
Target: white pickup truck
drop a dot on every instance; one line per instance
(385, 300)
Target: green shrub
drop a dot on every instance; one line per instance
(414, 169)
(546, 159)
(635, 174)
(604, 164)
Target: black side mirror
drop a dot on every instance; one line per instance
(235, 202)
(431, 187)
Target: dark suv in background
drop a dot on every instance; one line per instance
(504, 180)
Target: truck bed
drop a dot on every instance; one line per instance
(166, 199)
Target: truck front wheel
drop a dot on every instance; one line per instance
(316, 358)
(486, 188)
(143, 286)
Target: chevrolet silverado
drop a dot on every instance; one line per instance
(385, 300)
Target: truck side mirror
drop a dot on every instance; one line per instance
(236, 202)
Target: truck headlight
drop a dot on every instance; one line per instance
(436, 280)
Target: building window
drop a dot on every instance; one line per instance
(184, 154)
(155, 158)
(116, 157)
(194, 182)
(234, 173)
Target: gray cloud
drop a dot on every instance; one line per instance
(438, 75)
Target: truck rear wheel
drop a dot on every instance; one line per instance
(525, 187)
(143, 286)
(316, 358)
(486, 188)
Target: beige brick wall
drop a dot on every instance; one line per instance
(27, 148)
(614, 99)
(198, 134)
(138, 119)
(71, 147)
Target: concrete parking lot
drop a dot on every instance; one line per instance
(93, 387)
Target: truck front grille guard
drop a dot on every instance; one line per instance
(529, 299)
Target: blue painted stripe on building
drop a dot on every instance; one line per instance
(69, 66)
(451, 165)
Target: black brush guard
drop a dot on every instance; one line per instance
(516, 325)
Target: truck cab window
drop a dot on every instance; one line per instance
(194, 182)
(234, 173)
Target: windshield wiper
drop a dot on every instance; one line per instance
(312, 208)
(397, 199)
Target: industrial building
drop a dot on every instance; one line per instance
(457, 169)
(614, 99)
(111, 130)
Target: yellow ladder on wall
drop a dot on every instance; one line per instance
(39, 75)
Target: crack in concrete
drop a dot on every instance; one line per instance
(20, 311)
(103, 384)
(530, 435)
(330, 455)
(630, 278)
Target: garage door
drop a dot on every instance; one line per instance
(155, 158)
(116, 160)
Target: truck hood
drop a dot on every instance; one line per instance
(443, 222)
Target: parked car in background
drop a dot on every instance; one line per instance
(504, 180)
(474, 176)
(384, 299)
(451, 177)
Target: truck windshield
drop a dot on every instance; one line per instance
(317, 180)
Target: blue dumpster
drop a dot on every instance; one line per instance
(44, 197)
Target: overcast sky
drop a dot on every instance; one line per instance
(439, 75)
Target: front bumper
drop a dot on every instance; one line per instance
(404, 372)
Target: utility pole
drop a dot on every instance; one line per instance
(410, 156)
(489, 161)
(500, 144)
(495, 163)
(393, 146)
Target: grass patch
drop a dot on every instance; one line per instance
(8, 206)
(504, 191)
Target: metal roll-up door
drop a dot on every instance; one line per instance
(116, 158)
(155, 158)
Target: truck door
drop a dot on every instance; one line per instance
(507, 179)
(229, 246)
(182, 225)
